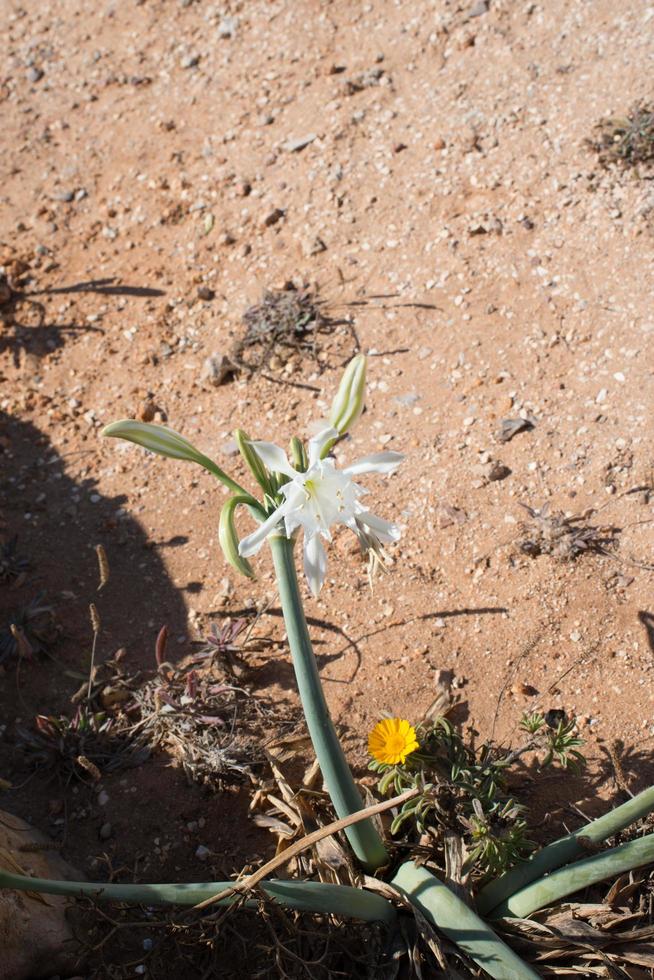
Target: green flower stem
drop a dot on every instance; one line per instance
(459, 923)
(363, 837)
(575, 877)
(163, 441)
(235, 487)
(564, 850)
(306, 896)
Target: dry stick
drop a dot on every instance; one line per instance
(252, 880)
(95, 623)
(260, 614)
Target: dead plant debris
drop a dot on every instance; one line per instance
(627, 141)
(563, 537)
(605, 933)
(284, 329)
(81, 747)
(265, 944)
(212, 728)
(28, 631)
(13, 565)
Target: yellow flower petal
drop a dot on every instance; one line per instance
(392, 740)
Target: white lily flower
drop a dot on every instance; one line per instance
(319, 498)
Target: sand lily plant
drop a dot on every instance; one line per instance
(306, 492)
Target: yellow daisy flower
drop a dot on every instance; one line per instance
(392, 740)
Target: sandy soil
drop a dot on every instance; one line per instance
(424, 163)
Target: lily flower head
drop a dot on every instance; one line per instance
(318, 498)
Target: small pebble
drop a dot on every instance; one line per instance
(216, 369)
(313, 246)
(202, 852)
(65, 196)
(147, 411)
(272, 217)
(498, 471)
(227, 27)
(295, 145)
(478, 9)
(409, 399)
(105, 831)
(190, 61)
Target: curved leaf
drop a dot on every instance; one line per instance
(228, 537)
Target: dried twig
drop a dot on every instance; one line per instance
(95, 623)
(247, 884)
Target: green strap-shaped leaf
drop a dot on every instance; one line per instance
(228, 537)
(306, 896)
(563, 851)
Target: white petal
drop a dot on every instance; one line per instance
(250, 545)
(273, 457)
(318, 443)
(382, 529)
(377, 463)
(316, 426)
(315, 563)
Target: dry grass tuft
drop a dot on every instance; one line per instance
(626, 141)
(286, 328)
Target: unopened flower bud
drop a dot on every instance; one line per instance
(348, 403)
(165, 442)
(299, 455)
(157, 438)
(253, 462)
